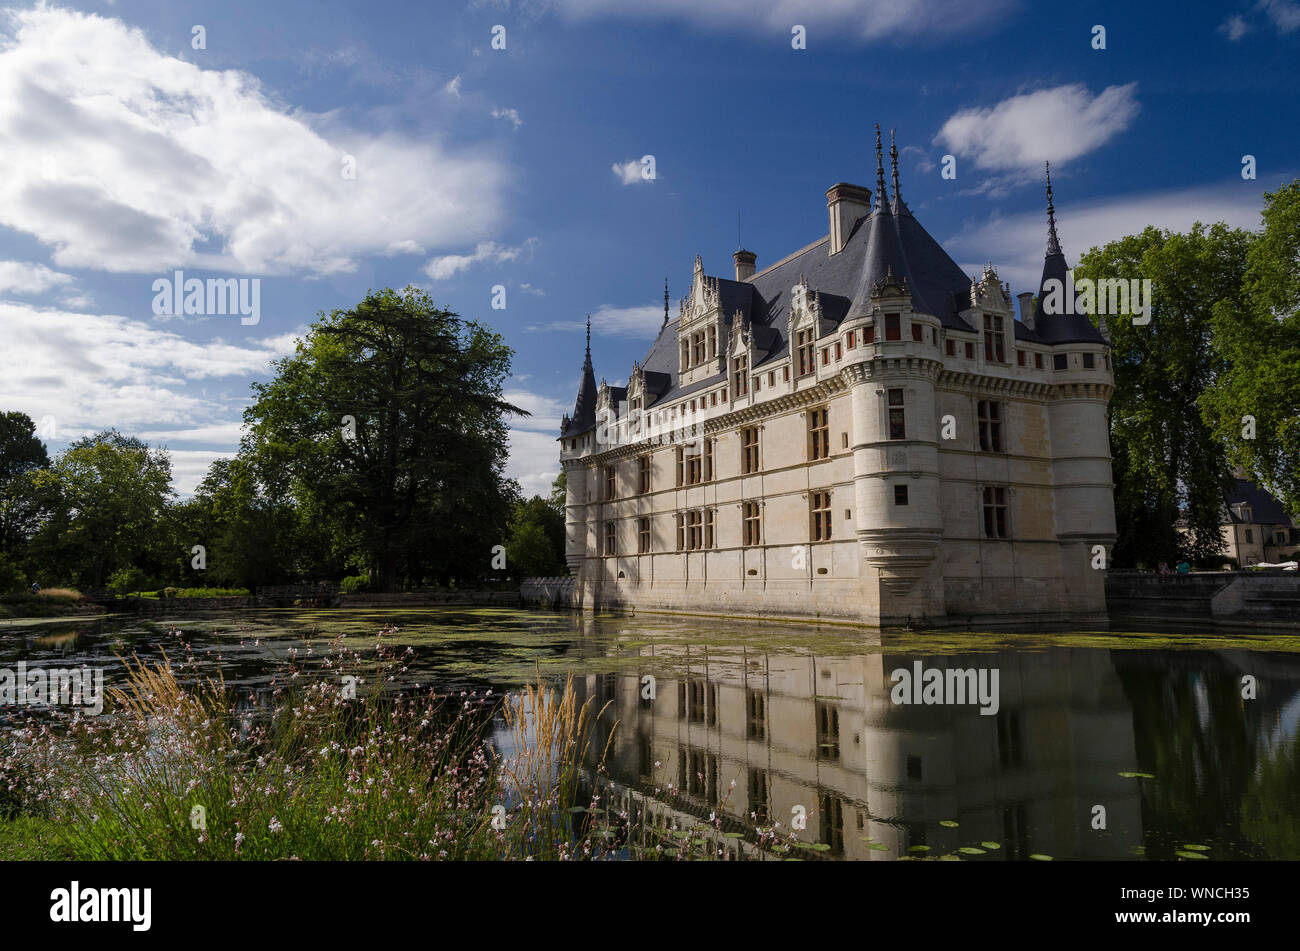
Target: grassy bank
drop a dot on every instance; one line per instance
(51, 602)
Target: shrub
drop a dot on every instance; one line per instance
(170, 592)
(128, 580)
(61, 594)
(354, 583)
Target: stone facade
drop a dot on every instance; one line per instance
(859, 432)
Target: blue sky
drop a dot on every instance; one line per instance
(126, 153)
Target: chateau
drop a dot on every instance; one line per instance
(858, 432)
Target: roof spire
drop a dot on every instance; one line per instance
(893, 161)
(589, 340)
(1053, 244)
(665, 324)
(880, 172)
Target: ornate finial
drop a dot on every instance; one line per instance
(589, 335)
(893, 161)
(1053, 245)
(665, 302)
(880, 171)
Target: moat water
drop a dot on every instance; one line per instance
(1068, 744)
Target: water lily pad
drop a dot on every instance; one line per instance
(971, 850)
(878, 846)
(1132, 775)
(918, 848)
(1041, 857)
(821, 847)
(1196, 848)
(1182, 853)
(991, 845)
(949, 823)
(950, 858)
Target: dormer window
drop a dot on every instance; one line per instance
(994, 351)
(806, 350)
(740, 376)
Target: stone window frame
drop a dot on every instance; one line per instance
(751, 523)
(818, 425)
(996, 427)
(746, 468)
(1008, 496)
(820, 507)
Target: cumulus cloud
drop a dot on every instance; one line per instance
(1285, 14)
(19, 277)
(1056, 125)
(448, 265)
(98, 371)
(1016, 243)
(534, 460)
(122, 157)
(623, 321)
(859, 20)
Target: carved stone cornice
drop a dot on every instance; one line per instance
(1082, 391)
(969, 382)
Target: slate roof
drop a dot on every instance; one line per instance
(1265, 509)
(888, 238)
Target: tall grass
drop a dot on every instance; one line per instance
(183, 767)
(312, 774)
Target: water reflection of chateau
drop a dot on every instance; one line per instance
(822, 733)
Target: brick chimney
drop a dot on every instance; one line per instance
(845, 204)
(1026, 309)
(745, 261)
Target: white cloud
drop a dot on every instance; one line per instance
(1055, 125)
(629, 173)
(528, 288)
(546, 412)
(97, 371)
(453, 88)
(19, 277)
(534, 460)
(625, 321)
(122, 157)
(1285, 14)
(448, 265)
(1016, 243)
(1234, 28)
(509, 115)
(228, 433)
(859, 20)
(190, 466)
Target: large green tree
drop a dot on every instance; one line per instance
(1168, 464)
(103, 501)
(249, 538)
(388, 426)
(535, 547)
(1254, 403)
(21, 455)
